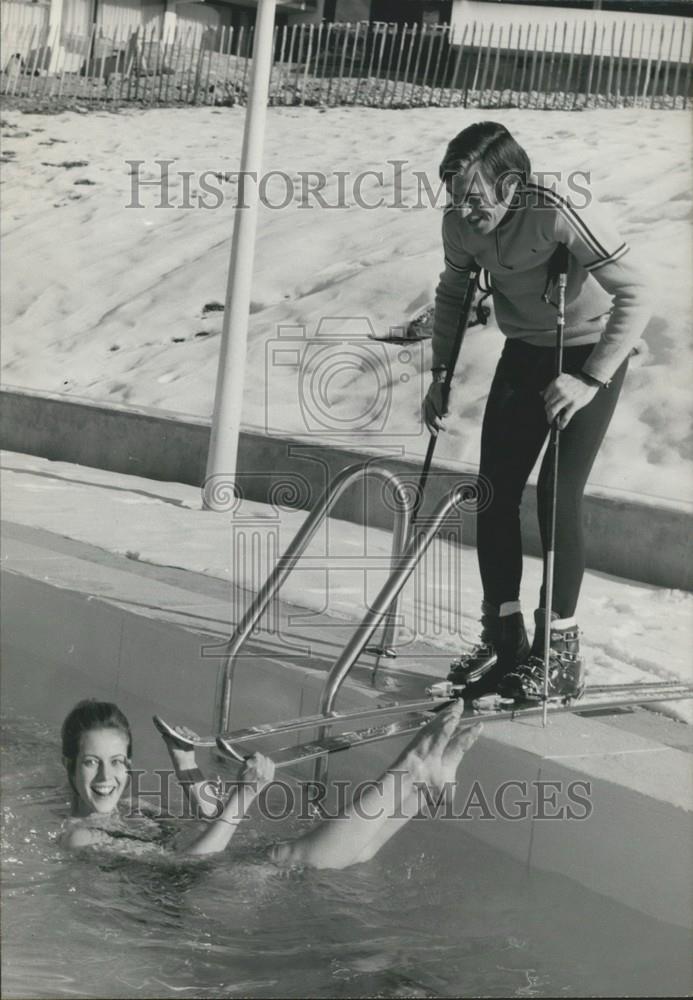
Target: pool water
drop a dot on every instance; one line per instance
(405, 924)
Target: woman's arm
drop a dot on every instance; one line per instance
(257, 773)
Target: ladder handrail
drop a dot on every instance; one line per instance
(286, 563)
(389, 593)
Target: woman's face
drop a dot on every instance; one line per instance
(101, 771)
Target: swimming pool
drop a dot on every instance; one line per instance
(405, 924)
(437, 913)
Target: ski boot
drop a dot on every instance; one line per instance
(566, 666)
(503, 645)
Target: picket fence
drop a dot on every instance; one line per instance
(366, 63)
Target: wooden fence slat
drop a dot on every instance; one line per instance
(619, 67)
(484, 74)
(185, 65)
(513, 68)
(590, 73)
(600, 66)
(378, 93)
(629, 66)
(289, 60)
(675, 88)
(540, 80)
(364, 57)
(278, 75)
(43, 79)
(388, 69)
(317, 79)
(398, 67)
(569, 69)
(417, 63)
(342, 62)
(24, 43)
(475, 78)
(39, 50)
(351, 94)
(309, 52)
(330, 64)
(429, 53)
(636, 84)
(687, 95)
(321, 51)
(535, 56)
(371, 35)
(31, 61)
(549, 86)
(527, 63)
(494, 77)
(665, 82)
(458, 61)
(211, 61)
(410, 51)
(657, 68)
(180, 65)
(435, 81)
(559, 87)
(467, 66)
(58, 69)
(449, 36)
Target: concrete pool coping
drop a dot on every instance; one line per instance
(167, 446)
(115, 614)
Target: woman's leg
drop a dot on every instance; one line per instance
(579, 444)
(432, 758)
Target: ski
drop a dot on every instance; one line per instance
(498, 712)
(285, 756)
(304, 722)
(439, 695)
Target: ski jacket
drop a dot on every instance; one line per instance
(607, 309)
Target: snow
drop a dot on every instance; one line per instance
(123, 304)
(631, 632)
(108, 302)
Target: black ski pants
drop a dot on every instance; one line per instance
(513, 433)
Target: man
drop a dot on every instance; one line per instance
(511, 224)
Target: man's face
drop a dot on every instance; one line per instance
(481, 204)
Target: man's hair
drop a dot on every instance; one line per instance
(87, 715)
(491, 146)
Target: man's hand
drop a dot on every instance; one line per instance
(565, 396)
(433, 409)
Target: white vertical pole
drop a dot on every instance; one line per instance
(228, 399)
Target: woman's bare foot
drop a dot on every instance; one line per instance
(182, 757)
(437, 751)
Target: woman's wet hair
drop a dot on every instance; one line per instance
(490, 145)
(85, 716)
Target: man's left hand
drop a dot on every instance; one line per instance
(565, 396)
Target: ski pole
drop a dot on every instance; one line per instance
(560, 263)
(445, 389)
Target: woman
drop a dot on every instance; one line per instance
(97, 749)
(506, 220)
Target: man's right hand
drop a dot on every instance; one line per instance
(433, 409)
